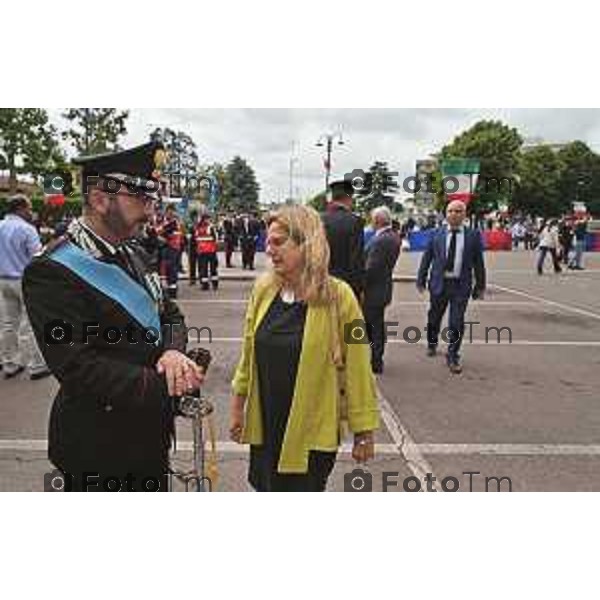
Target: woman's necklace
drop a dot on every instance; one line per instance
(288, 296)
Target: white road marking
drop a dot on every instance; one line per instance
(567, 307)
(513, 449)
(413, 452)
(404, 442)
(223, 447)
(423, 341)
(227, 447)
(33, 445)
(504, 342)
(212, 301)
(532, 270)
(484, 303)
(565, 343)
(399, 303)
(222, 340)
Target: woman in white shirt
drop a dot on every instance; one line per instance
(549, 242)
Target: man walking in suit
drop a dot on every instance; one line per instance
(248, 236)
(382, 254)
(229, 239)
(453, 255)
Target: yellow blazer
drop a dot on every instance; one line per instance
(314, 419)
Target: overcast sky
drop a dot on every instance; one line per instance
(400, 136)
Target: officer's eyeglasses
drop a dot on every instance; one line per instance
(139, 194)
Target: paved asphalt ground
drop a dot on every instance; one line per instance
(527, 410)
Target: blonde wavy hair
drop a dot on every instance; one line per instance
(304, 227)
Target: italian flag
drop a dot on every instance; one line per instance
(460, 178)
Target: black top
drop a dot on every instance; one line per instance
(278, 345)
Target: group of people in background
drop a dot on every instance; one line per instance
(199, 237)
(168, 237)
(565, 241)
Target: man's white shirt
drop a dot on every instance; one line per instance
(460, 250)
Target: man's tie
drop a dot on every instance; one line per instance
(451, 260)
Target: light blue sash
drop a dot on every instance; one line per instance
(113, 282)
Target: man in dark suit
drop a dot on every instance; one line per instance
(248, 230)
(382, 255)
(109, 334)
(229, 239)
(345, 236)
(453, 255)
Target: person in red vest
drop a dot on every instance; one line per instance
(171, 230)
(205, 238)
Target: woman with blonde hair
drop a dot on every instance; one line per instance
(298, 380)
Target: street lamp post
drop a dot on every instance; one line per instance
(293, 161)
(291, 191)
(327, 140)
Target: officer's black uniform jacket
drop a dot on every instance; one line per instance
(229, 232)
(346, 244)
(112, 411)
(247, 235)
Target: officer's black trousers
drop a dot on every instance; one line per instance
(375, 319)
(208, 268)
(192, 262)
(248, 252)
(172, 266)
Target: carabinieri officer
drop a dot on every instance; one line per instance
(112, 339)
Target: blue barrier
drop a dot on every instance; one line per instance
(592, 242)
(418, 240)
(261, 242)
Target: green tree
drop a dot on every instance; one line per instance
(592, 198)
(241, 187)
(398, 208)
(381, 185)
(436, 187)
(538, 191)
(182, 160)
(95, 130)
(580, 176)
(206, 194)
(28, 143)
(497, 146)
(319, 202)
